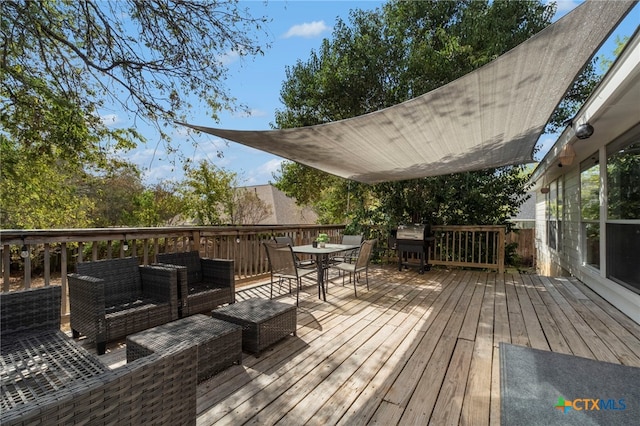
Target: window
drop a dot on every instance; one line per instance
(623, 214)
(590, 211)
(554, 214)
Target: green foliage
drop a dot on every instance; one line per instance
(64, 62)
(156, 206)
(208, 193)
(35, 195)
(147, 58)
(322, 238)
(488, 197)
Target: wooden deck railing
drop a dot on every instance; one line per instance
(469, 246)
(59, 250)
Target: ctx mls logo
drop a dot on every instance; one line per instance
(590, 404)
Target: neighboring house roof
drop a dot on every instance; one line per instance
(491, 117)
(284, 210)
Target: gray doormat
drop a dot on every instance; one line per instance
(547, 388)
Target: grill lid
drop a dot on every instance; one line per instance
(414, 232)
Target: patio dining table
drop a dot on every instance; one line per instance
(321, 255)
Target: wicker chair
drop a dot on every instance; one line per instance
(209, 283)
(110, 299)
(46, 378)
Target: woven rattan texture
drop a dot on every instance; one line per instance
(264, 322)
(39, 364)
(30, 310)
(210, 282)
(110, 299)
(218, 343)
(46, 378)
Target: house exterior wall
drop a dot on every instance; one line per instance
(613, 113)
(568, 258)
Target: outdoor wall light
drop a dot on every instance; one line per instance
(584, 131)
(125, 245)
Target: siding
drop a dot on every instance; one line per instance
(571, 241)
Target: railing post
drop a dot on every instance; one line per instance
(501, 248)
(47, 264)
(145, 251)
(6, 267)
(27, 268)
(80, 257)
(196, 240)
(63, 278)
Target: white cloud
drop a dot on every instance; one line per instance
(270, 166)
(110, 119)
(251, 113)
(159, 172)
(229, 57)
(261, 174)
(308, 29)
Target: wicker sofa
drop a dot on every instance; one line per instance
(209, 283)
(110, 299)
(47, 378)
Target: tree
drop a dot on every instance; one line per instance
(208, 193)
(147, 57)
(157, 205)
(390, 55)
(64, 64)
(115, 194)
(36, 194)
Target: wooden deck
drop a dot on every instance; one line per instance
(414, 349)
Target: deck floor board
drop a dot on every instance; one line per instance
(414, 349)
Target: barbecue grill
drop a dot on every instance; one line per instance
(416, 239)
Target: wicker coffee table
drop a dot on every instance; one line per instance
(264, 322)
(219, 343)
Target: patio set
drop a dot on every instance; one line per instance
(171, 345)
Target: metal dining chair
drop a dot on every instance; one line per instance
(349, 255)
(361, 264)
(282, 265)
(301, 263)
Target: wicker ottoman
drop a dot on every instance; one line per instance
(264, 322)
(219, 343)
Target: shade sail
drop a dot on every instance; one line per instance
(488, 118)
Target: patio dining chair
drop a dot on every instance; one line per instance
(350, 255)
(361, 264)
(282, 265)
(301, 263)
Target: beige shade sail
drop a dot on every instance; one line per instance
(488, 118)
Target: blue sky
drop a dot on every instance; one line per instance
(296, 28)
